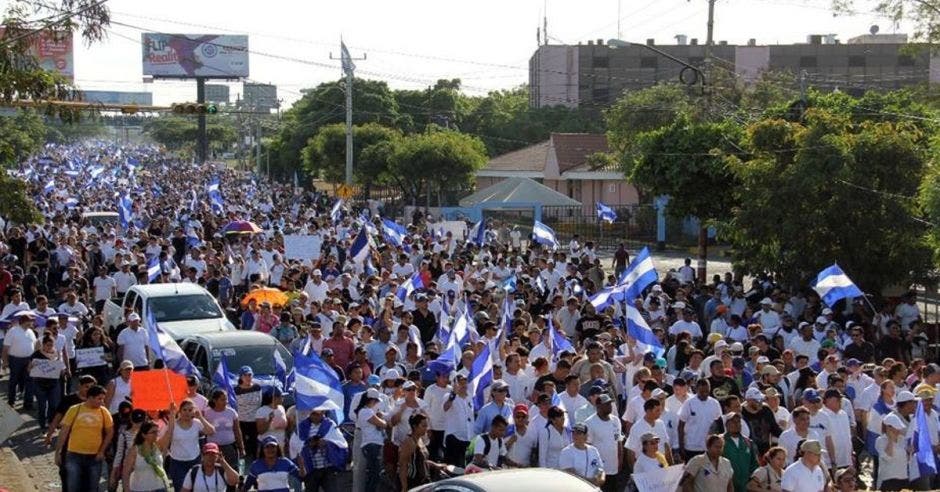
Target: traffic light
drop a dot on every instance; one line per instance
(194, 108)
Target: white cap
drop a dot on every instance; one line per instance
(892, 420)
(657, 393)
(679, 305)
(737, 347)
(317, 272)
(822, 320)
(766, 301)
(753, 393)
(133, 317)
(390, 375)
(657, 288)
(826, 311)
(904, 396)
(720, 344)
(763, 359)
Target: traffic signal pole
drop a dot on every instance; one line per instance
(202, 138)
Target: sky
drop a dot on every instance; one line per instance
(412, 43)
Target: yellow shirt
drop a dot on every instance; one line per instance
(87, 428)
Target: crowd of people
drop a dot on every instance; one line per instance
(749, 385)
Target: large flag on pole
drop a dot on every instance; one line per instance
(316, 386)
(164, 347)
(348, 65)
(359, 251)
(481, 376)
(544, 235)
(605, 213)
(478, 233)
(832, 285)
(637, 328)
(639, 274)
(921, 442)
(222, 378)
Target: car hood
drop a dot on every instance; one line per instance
(186, 328)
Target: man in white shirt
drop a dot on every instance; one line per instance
(18, 346)
(105, 288)
(605, 433)
(568, 318)
(687, 323)
(132, 343)
(841, 430)
(807, 474)
(316, 288)
(768, 318)
(124, 279)
(581, 459)
(434, 397)
(255, 265)
(799, 431)
(805, 344)
(907, 312)
(695, 419)
(651, 422)
(458, 422)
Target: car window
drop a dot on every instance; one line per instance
(199, 359)
(184, 307)
(260, 359)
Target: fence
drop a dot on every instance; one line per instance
(636, 223)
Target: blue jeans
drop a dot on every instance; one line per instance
(177, 470)
(19, 380)
(82, 471)
(373, 458)
(48, 393)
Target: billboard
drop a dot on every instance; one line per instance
(261, 96)
(53, 51)
(194, 55)
(217, 93)
(118, 97)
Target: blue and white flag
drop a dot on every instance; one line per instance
(316, 386)
(481, 376)
(216, 202)
(478, 233)
(50, 186)
(637, 328)
(222, 379)
(336, 212)
(412, 284)
(508, 284)
(605, 213)
(153, 269)
(832, 285)
(921, 442)
(603, 299)
(71, 202)
(214, 185)
(393, 232)
(336, 450)
(544, 235)
(461, 330)
(95, 172)
(360, 248)
(125, 208)
(639, 274)
(345, 59)
(560, 342)
(443, 331)
(193, 202)
(285, 377)
(164, 347)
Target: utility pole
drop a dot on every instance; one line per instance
(348, 69)
(703, 230)
(202, 139)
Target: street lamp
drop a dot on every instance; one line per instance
(698, 75)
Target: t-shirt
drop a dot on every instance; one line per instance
(799, 478)
(87, 428)
(698, 416)
(708, 478)
(642, 427)
(278, 421)
(272, 479)
(103, 286)
(521, 449)
(497, 449)
(585, 462)
(370, 433)
(224, 423)
(135, 345)
(201, 483)
(184, 445)
(605, 435)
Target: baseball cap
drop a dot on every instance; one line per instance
(904, 396)
(409, 385)
(210, 448)
(853, 362)
(811, 395)
(604, 398)
(521, 408)
(133, 317)
(811, 446)
(737, 347)
(763, 360)
(892, 420)
(766, 301)
(269, 441)
(246, 370)
(126, 365)
(720, 344)
(769, 371)
(822, 320)
(771, 392)
(754, 394)
(579, 428)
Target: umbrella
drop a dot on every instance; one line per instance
(241, 227)
(266, 294)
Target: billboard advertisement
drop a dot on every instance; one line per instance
(53, 51)
(260, 96)
(194, 55)
(118, 97)
(217, 93)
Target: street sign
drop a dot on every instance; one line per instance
(344, 191)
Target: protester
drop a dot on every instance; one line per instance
(272, 470)
(88, 437)
(143, 466)
(709, 471)
(181, 439)
(769, 477)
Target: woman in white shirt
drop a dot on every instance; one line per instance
(371, 425)
(181, 440)
(270, 417)
(553, 438)
(893, 459)
(650, 460)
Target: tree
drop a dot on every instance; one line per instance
(642, 111)
(924, 14)
(445, 159)
(180, 132)
(20, 136)
(837, 185)
(325, 153)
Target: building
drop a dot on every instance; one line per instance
(593, 75)
(563, 164)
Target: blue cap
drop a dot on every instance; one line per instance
(811, 395)
(373, 380)
(269, 440)
(246, 370)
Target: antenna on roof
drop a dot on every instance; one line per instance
(874, 29)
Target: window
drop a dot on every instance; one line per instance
(857, 61)
(600, 95)
(649, 62)
(905, 61)
(601, 62)
(807, 62)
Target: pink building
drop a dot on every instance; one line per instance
(561, 163)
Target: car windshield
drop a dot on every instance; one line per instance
(184, 307)
(260, 359)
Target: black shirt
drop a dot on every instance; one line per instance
(426, 324)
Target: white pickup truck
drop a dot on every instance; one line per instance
(182, 309)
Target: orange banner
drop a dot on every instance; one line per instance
(156, 388)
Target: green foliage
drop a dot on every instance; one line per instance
(181, 132)
(924, 14)
(20, 135)
(445, 159)
(689, 162)
(15, 204)
(830, 188)
(325, 153)
(642, 111)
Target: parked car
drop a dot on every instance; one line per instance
(181, 309)
(240, 348)
(106, 219)
(544, 479)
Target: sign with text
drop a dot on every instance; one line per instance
(90, 357)
(46, 368)
(666, 480)
(53, 51)
(194, 55)
(302, 247)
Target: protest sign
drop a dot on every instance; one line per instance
(90, 357)
(156, 388)
(46, 368)
(302, 247)
(666, 480)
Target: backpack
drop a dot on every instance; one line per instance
(486, 447)
(195, 469)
